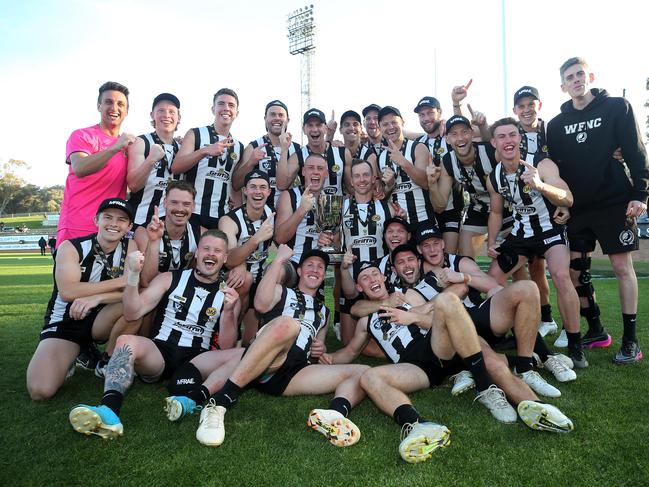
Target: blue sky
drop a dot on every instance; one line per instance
(54, 56)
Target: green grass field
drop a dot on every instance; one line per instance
(268, 443)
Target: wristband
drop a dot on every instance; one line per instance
(132, 278)
(466, 278)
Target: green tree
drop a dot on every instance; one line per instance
(10, 182)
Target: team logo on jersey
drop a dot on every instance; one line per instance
(210, 311)
(335, 168)
(627, 237)
(218, 174)
(376, 218)
(581, 137)
(265, 165)
(349, 222)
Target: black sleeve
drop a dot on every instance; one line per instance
(634, 152)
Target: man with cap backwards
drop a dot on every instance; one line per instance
(264, 153)
(469, 164)
(277, 362)
(207, 159)
(250, 231)
(338, 159)
(609, 196)
(533, 141)
(532, 191)
(193, 305)
(150, 159)
(429, 111)
(97, 159)
(408, 159)
(426, 344)
(515, 307)
(86, 299)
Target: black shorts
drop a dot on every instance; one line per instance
(609, 226)
(275, 384)
(449, 220)
(532, 246)
(437, 370)
(478, 220)
(173, 357)
(77, 331)
(481, 317)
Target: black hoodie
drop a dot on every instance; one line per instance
(582, 143)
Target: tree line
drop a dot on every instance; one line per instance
(18, 196)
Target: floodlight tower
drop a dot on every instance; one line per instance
(301, 31)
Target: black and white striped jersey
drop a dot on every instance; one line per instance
(438, 148)
(307, 234)
(144, 200)
(269, 164)
(189, 312)
(473, 177)
(410, 196)
(534, 143)
(212, 176)
(335, 157)
(391, 277)
(93, 269)
(363, 229)
(532, 212)
(394, 339)
(429, 286)
(312, 314)
(178, 254)
(255, 263)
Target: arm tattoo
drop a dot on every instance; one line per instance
(120, 370)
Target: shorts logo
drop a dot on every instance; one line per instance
(627, 237)
(581, 137)
(548, 241)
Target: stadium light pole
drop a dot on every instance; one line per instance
(301, 32)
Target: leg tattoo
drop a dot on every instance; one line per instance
(120, 370)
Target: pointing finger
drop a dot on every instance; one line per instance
(468, 85)
(470, 110)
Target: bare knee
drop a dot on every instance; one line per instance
(283, 328)
(623, 268)
(40, 390)
(447, 304)
(525, 290)
(373, 380)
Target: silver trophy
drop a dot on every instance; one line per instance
(329, 217)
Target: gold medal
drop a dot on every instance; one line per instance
(376, 218)
(335, 168)
(440, 151)
(545, 149)
(527, 189)
(210, 311)
(234, 156)
(222, 285)
(114, 270)
(189, 256)
(300, 317)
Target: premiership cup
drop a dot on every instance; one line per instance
(329, 215)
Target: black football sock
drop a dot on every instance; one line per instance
(476, 365)
(113, 399)
(342, 405)
(406, 413)
(629, 327)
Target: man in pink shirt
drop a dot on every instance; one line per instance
(97, 160)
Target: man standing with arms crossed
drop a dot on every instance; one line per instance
(582, 139)
(97, 164)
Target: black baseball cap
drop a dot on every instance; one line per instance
(118, 204)
(276, 103)
(314, 253)
(426, 230)
(396, 219)
(387, 110)
(314, 112)
(166, 97)
(457, 120)
(350, 113)
(428, 101)
(526, 91)
(369, 108)
(366, 265)
(406, 247)
(256, 174)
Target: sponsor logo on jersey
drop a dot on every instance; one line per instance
(525, 210)
(403, 187)
(330, 190)
(218, 174)
(364, 241)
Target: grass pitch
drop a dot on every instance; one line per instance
(268, 442)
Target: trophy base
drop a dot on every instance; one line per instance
(335, 255)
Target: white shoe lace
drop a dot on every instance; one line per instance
(495, 397)
(213, 416)
(406, 429)
(555, 365)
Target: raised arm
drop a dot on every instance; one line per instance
(140, 167)
(85, 164)
(137, 304)
(546, 180)
(269, 290)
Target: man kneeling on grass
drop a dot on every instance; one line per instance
(427, 344)
(277, 361)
